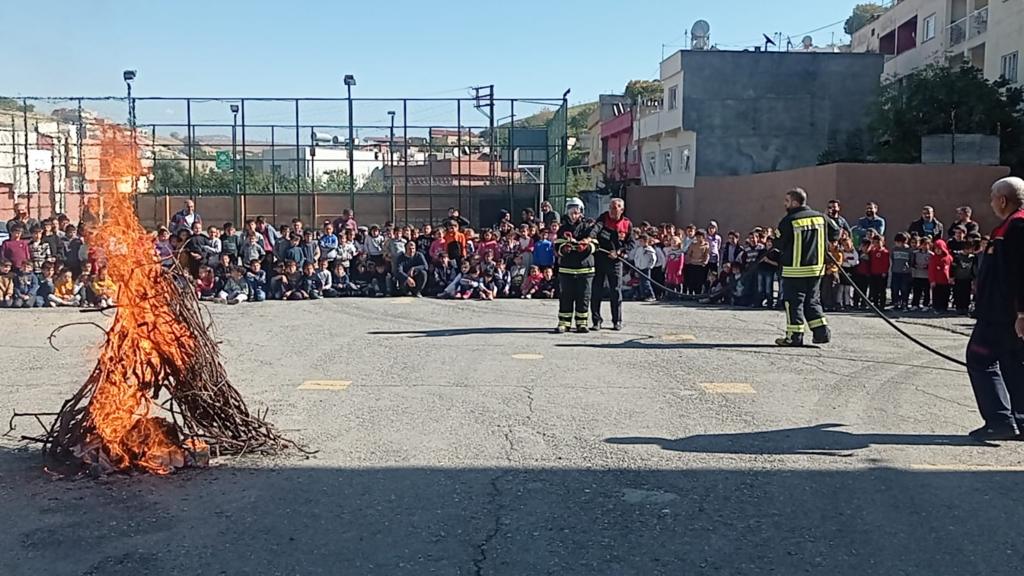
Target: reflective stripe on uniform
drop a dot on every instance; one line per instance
(803, 271)
(576, 271)
(818, 323)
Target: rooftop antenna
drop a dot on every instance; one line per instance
(700, 35)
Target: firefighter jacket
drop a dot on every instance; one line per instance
(801, 238)
(575, 247)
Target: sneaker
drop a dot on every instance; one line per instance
(232, 302)
(617, 326)
(582, 330)
(1000, 432)
(650, 299)
(597, 326)
(220, 300)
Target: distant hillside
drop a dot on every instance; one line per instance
(578, 115)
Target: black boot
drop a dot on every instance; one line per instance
(822, 335)
(791, 341)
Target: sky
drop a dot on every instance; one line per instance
(395, 48)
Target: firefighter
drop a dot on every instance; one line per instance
(614, 240)
(801, 237)
(575, 247)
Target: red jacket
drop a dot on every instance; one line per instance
(940, 264)
(879, 261)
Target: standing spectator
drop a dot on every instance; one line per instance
(871, 221)
(39, 250)
(963, 278)
(879, 270)
(51, 237)
(862, 275)
(425, 239)
(644, 259)
(455, 214)
(831, 288)
(927, 224)
(714, 246)
(374, 245)
(833, 213)
(963, 218)
(74, 250)
(732, 252)
(6, 284)
(544, 251)
(329, 243)
(294, 252)
(252, 249)
(455, 242)
(230, 242)
(347, 249)
(939, 268)
(310, 248)
(411, 271)
(674, 264)
(900, 271)
(15, 249)
(919, 287)
(695, 267)
(213, 248)
(768, 268)
(347, 221)
(548, 215)
(186, 218)
(21, 218)
(528, 216)
(851, 261)
(162, 246)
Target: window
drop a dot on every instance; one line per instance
(666, 166)
(673, 93)
(684, 159)
(634, 153)
(1008, 67)
(652, 163)
(929, 28)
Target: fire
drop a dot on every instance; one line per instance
(145, 338)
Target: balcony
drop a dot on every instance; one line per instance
(971, 26)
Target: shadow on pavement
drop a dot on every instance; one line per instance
(461, 332)
(820, 440)
(514, 521)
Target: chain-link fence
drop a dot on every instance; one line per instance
(389, 159)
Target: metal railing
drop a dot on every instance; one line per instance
(971, 26)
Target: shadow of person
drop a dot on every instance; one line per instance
(819, 440)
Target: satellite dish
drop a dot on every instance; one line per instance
(807, 43)
(699, 35)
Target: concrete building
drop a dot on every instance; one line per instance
(289, 161)
(734, 113)
(987, 34)
(621, 153)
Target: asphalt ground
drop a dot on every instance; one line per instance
(465, 438)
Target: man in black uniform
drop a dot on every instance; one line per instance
(614, 241)
(575, 248)
(801, 238)
(995, 354)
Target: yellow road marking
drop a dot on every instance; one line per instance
(325, 385)
(966, 468)
(727, 388)
(526, 356)
(679, 337)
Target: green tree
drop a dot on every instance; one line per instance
(862, 14)
(643, 90)
(932, 99)
(12, 104)
(580, 119)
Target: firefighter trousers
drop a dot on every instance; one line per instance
(802, 298)
(609, 276)
(574, 299)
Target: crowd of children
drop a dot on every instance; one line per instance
(49, 264)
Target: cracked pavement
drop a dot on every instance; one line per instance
(608, 453)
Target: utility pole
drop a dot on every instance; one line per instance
(483, 100)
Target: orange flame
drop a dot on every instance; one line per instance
(145, 337)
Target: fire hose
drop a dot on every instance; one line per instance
(856, 288)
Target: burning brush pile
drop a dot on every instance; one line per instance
(159, 398)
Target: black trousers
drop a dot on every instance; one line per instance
(608, 277)
(420, 277)
(962, 295)
(877, 285)
(802, 297)
(574, 299)
(995, 364)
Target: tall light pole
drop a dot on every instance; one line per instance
(129, 76)
(234, 146)
(350, 81)
(391, 155)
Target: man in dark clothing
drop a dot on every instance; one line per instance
(963, 218)
(927, 224)
(411, 271)
(575, 248)
(833, 213)
(614, 241)
(995, 354)
(21, 218)
(801, 237)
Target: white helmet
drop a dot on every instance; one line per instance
(574, 203)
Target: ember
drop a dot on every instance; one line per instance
(158, 343)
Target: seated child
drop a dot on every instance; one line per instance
(257, 279)
(235, 289)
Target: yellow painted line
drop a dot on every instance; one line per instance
(325, 384)
(679, 337)
(966, 468)
(526, 356)
(727, 388)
